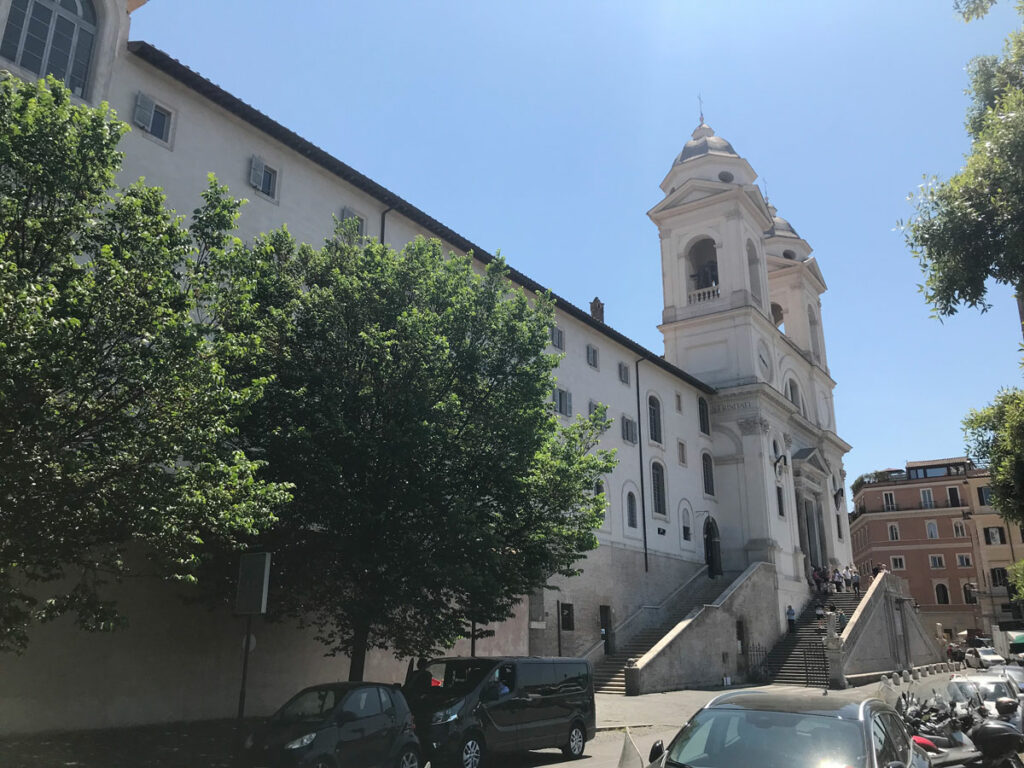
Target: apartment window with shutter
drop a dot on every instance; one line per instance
(931, 529)
(709, 473)
(897, 563)
(999, 577)
(936, 561)
(629, 430)
(985, 496)
(894, 532)
(557, 337)
(963, 560)
(152, 118)
(703, 416)
(654, 418)
(658, 490)
(591, 355)
(995, 535)
(630, 510)
(563, 402)
(592, 407)
(624, 373)
(959, 530)
(927, 500)
(889, 501)
(262, 177)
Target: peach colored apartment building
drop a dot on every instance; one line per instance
(920, 522)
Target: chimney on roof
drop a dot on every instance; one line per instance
(597, 309)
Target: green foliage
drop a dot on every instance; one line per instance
(1015, 575)
(115, 411)
(868, 477)
(973, 9)
(410, 408)
(995, 436)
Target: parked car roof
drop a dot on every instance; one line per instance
(800, 702)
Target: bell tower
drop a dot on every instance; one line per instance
(712, 222)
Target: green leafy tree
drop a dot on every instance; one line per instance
(995, 434)
(116, 437)
(410, 407)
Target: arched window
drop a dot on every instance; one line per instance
(778, 317)
(754, 271)
(702, 271)
(684, 520)
(941, 594)
(630, 510)
(793, 394)
(654, 418)
(51, 37)
(812, 328)
(703, 416)
(709, 474)
(658, 489)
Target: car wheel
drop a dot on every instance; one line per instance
(409, 758)
(472, 753)
(574, 746)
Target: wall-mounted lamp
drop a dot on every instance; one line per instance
(780, 459)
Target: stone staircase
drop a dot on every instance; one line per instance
(610, 672)
(798, 659)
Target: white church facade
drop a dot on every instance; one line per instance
(727, 445)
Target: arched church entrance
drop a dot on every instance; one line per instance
(712, 548)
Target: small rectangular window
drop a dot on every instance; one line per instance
(681, 448)
(591, 355)
(889, 500)
(927, 500)
(563, 402)
(936, 561)
(894, 532)
(679, 403)
(896, 561)
(624, 373)
(959, 530)
(557, 337)
(985, 496)
(348, 213)
(629, 431)
(999, 577)
(262, 177)
(152, 118)
(780, 499)
(963, 561)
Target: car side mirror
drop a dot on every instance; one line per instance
(656, 751)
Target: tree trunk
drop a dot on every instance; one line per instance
(357, 662)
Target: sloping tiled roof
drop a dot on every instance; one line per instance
(934, 462)
(178, 71)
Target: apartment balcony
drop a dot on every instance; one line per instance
(919, 507)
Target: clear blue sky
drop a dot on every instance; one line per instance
(544, 128)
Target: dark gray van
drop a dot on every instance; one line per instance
(468, 708)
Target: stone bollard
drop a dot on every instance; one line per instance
(906, 676)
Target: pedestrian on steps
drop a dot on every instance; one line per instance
(855, 580)
(791, 618)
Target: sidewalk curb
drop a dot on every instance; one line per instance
(622, 727)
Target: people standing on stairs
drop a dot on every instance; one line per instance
(837, 579)
(847, 577)
(855, 580)
(791, 618)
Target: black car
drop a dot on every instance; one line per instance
(470, 708)
(791, 730)
(337, 725)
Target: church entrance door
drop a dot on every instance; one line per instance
(712, 548)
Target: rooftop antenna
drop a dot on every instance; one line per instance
(700, 102)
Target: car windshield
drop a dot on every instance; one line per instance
(996, 689)
(311, 704)
(449, 677)
(962, 691)
(724, 738)
(988, 653)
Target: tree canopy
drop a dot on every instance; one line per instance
(410, 408)
(116, 417)
(969, 229)
(996, 434)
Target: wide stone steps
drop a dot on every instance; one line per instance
(797, 659)
(610, 672)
